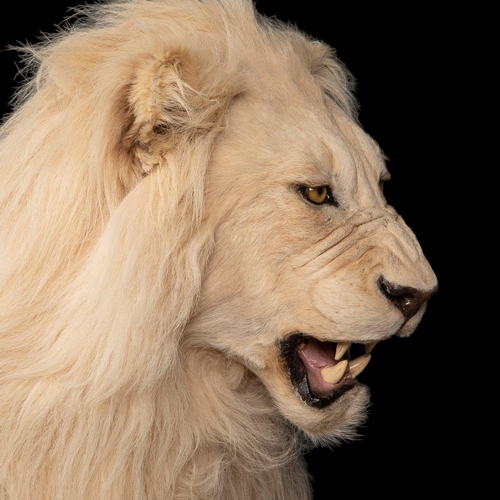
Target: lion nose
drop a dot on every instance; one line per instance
(407, 299)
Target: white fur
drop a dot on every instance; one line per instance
(121, 377)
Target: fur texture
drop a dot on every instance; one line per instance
(170, 284)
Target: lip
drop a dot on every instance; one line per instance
(321, 371)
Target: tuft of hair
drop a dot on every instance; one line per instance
(103, 252)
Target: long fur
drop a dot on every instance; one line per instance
(104, 245)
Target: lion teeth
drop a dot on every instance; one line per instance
(369, 347)
(356, 366)
(341, 349)
(334, 374)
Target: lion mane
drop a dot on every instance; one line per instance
(192, 237)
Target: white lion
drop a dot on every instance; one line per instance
(192, 235)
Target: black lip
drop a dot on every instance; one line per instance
(298, 375)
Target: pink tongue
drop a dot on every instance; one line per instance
(316, 355)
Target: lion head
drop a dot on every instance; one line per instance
(193, 231)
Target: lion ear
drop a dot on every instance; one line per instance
(160, 111)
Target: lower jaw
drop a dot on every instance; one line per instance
(321, 402)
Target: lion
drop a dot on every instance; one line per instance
(197, 257)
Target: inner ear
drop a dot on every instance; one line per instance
(157, 101)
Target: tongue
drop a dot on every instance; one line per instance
(316, 355)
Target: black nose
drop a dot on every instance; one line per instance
(407, 299)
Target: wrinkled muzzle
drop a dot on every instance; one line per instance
(374, 283)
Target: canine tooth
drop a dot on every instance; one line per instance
(369, 347)
(334, 374)
(341, 349)
(356, 366)
(301, 346)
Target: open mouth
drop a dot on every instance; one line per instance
(322, 371)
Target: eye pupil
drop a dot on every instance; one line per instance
(317, 195)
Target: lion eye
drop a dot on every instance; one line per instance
(318, 195)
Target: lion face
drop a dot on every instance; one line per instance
(311, 266)
(197, 258)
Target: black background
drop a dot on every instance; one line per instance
(411, 77)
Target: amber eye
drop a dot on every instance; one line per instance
(317, 195)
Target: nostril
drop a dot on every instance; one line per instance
(407, 299)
